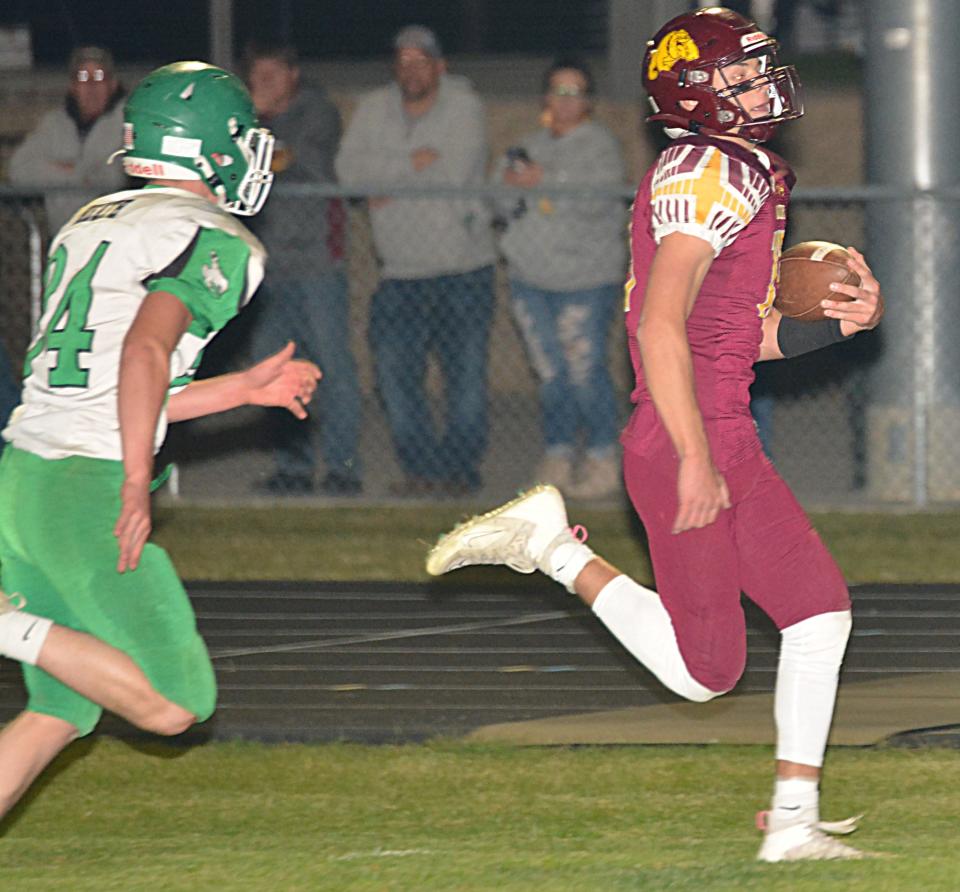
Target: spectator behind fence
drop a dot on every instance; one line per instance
(67, 154)
(567, 259)
(436, 292)
(304, 296)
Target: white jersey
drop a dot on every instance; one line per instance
(102, 264)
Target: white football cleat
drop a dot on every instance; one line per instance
(520, 534)
(806, 840)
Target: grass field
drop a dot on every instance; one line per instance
(454, 816)
(391, 542)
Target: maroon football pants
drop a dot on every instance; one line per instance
(763, 546)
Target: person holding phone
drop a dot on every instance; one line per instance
(566, 256)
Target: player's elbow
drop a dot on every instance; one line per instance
(141, 347)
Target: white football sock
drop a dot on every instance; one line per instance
(796, 799)
(22, 635)
(565, 558)
(811, 652)
(639, 621)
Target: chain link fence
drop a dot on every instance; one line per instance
(835, 435)
(22, 227)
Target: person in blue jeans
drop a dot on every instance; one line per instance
(316, 314)
(448, 316)
(567, 263)
(426, 129)
(304, 297)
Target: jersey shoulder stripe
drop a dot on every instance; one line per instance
(702, 191)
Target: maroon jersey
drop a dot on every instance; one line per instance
(727, 195)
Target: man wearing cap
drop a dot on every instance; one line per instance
(68, 151)
(426, 130)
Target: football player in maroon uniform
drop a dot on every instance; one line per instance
(706, 236)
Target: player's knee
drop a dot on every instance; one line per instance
(715, 680)
(700, 685)
(698, 693)
(166, 718)
(820, 640)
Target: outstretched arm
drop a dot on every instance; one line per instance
(279, 380)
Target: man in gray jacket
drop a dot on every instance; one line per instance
(66, 155)
(426, 129)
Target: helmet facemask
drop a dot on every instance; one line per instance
(255, 145)
(783, 90)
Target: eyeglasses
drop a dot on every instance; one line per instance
(569, 92)
(98, 75)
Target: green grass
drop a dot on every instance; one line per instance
(454, 817)
(344, 543)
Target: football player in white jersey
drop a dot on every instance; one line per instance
(136, 284)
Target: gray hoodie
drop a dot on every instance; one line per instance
(422, 237)
(569, 243)
(302, 235)
(38, 162)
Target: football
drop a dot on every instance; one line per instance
(806, 271)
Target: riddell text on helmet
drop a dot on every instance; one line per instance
(139, 169)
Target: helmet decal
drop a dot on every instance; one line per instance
(674, 47)
(181, 146)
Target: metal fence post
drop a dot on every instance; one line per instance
(912, 73)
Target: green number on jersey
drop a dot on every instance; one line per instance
(72, 337)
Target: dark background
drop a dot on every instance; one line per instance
(151, 32)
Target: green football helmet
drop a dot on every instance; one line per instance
(193, 121)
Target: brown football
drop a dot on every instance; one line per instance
(806, 271)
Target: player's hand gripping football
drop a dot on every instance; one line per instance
(280, 380)
(701, 494)
(865, 310)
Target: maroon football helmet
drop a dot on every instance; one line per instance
(684, 54)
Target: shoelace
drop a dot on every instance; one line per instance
(579, 532)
